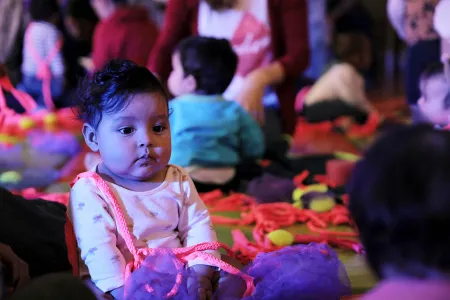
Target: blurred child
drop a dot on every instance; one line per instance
(124, 32)
(341, 90)
(210, 135)
(413, 22)
(80, 21)
(43, 67)
(434, 104)
(400, 201)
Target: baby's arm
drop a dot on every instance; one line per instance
(96, 231)
(252, 138)
(195, 227)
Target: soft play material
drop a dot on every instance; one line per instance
(269, 188)
(38, 160)
(159, 272)
(311, 272)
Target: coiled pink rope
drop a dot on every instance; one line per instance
(183, 254)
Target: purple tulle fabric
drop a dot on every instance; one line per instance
(310, 272)
(299, 272)
(159, 272)
(269, 188)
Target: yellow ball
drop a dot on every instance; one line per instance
(10, 177)
(322, 204)
(26, 123)
(281, 237)
(297, 195)
(50, 119)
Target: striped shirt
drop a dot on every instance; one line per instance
(43, 36)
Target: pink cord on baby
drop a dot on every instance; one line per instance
(183, 254)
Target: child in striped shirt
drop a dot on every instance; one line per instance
(43, 68)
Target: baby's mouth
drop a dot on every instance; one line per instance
(146, 159)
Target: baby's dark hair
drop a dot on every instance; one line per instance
(350, 44)
(43, 10)
(400, 201)
(211, 61)
(435, 70)
(111, 89)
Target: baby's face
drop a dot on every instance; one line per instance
(178, 83)
(135, 143)
(431, 103)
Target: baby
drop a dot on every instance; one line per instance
(399, 199)
(126, 119)
(434, 103)
(212, 137)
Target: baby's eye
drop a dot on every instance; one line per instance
(126, 130)
(159, 128)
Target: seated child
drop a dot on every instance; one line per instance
(399, 199)
(126, 117)
(124, 32)
(340, 90)
(210, 135)
(434, 104)
(43, 67)
(80, 21)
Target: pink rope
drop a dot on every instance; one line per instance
(183, 254)
(43, 66)
(24, 99)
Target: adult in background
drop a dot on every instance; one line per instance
(12, 28)
(270, 38)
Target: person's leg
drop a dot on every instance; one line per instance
(32, 86)
(54, 286)
(57, 87)
(331, 110)
(272, 128)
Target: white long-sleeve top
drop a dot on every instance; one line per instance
(170, 216)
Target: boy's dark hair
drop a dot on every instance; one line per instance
(112, 88)
(350, 44)
(400, 201)
(43, 10)
(211, 61)
(431, 71)
(81, 10)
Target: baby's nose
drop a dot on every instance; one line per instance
(145, 140)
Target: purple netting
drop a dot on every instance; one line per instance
(159, 272)
(269, 188)
(299, 272)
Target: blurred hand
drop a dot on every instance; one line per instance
(17, 267)
(251, 96)
(203, 281)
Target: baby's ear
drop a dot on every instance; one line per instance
(90, 137)
(190, 84)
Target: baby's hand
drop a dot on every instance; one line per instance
(203, 278)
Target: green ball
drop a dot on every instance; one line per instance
(10, 177)
(281, 237)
